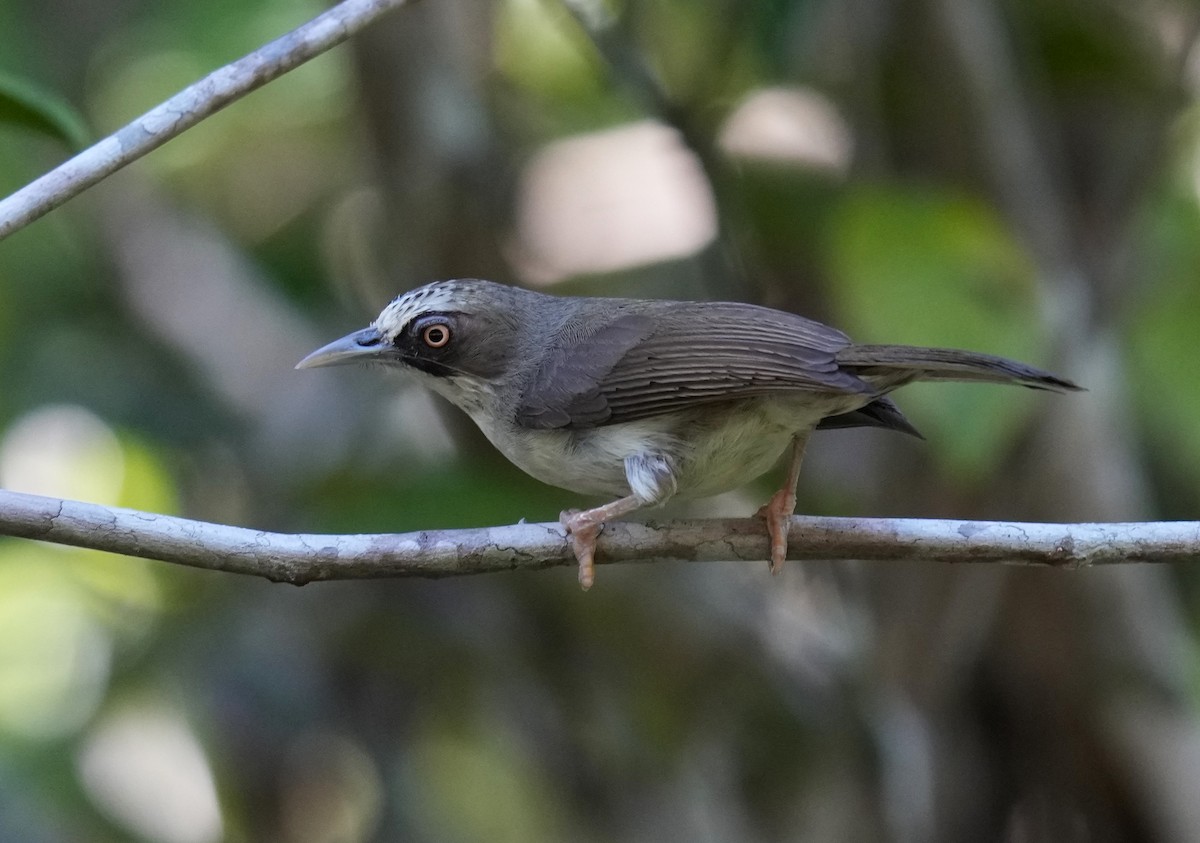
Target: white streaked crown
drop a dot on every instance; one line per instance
(438, 296)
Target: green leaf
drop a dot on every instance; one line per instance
(25, 104)
(921, 267)
(1162, 333)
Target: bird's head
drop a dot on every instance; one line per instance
(458, 335)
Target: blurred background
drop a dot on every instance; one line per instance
(1014, 176)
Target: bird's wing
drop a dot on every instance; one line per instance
(651, 359)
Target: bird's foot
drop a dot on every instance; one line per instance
(778, 514)
(583, 528)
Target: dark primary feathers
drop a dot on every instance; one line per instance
(658, 357)
(882, 412)
(949, 364)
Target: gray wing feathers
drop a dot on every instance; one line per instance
(642, 359)
(565, 389)
(663, 359)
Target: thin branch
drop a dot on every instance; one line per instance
(187, 108)
(300, 558)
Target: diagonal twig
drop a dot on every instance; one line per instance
(187, 108)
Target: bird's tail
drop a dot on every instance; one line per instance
(898, 364)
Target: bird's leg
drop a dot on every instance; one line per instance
(584, 528)
(778, 511)
(651, 478)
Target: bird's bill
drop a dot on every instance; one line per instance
(352, 348)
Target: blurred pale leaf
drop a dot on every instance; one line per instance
(919, 267)
(54, 656)
(146, 484)
(127, 594)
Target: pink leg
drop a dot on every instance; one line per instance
(778, 511)
(584, 528)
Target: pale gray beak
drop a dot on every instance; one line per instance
(352, 348)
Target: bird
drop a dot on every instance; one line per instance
(644, 400)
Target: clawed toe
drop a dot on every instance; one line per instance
(583, 532)
(584, 528)
(778, 515)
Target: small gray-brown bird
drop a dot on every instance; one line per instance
(644, 400)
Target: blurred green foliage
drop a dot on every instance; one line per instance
(22, 104)
(940, 270)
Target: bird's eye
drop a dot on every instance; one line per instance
(436, 336)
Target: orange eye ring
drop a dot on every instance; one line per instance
(436, 336)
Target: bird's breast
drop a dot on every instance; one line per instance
(590, 462)
(712, 449)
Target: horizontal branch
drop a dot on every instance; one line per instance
(187, 108)
(301, 558)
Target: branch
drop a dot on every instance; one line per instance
(300, 558)
(186, 109)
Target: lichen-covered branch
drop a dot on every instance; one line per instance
(187, 108)
(300, 558)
